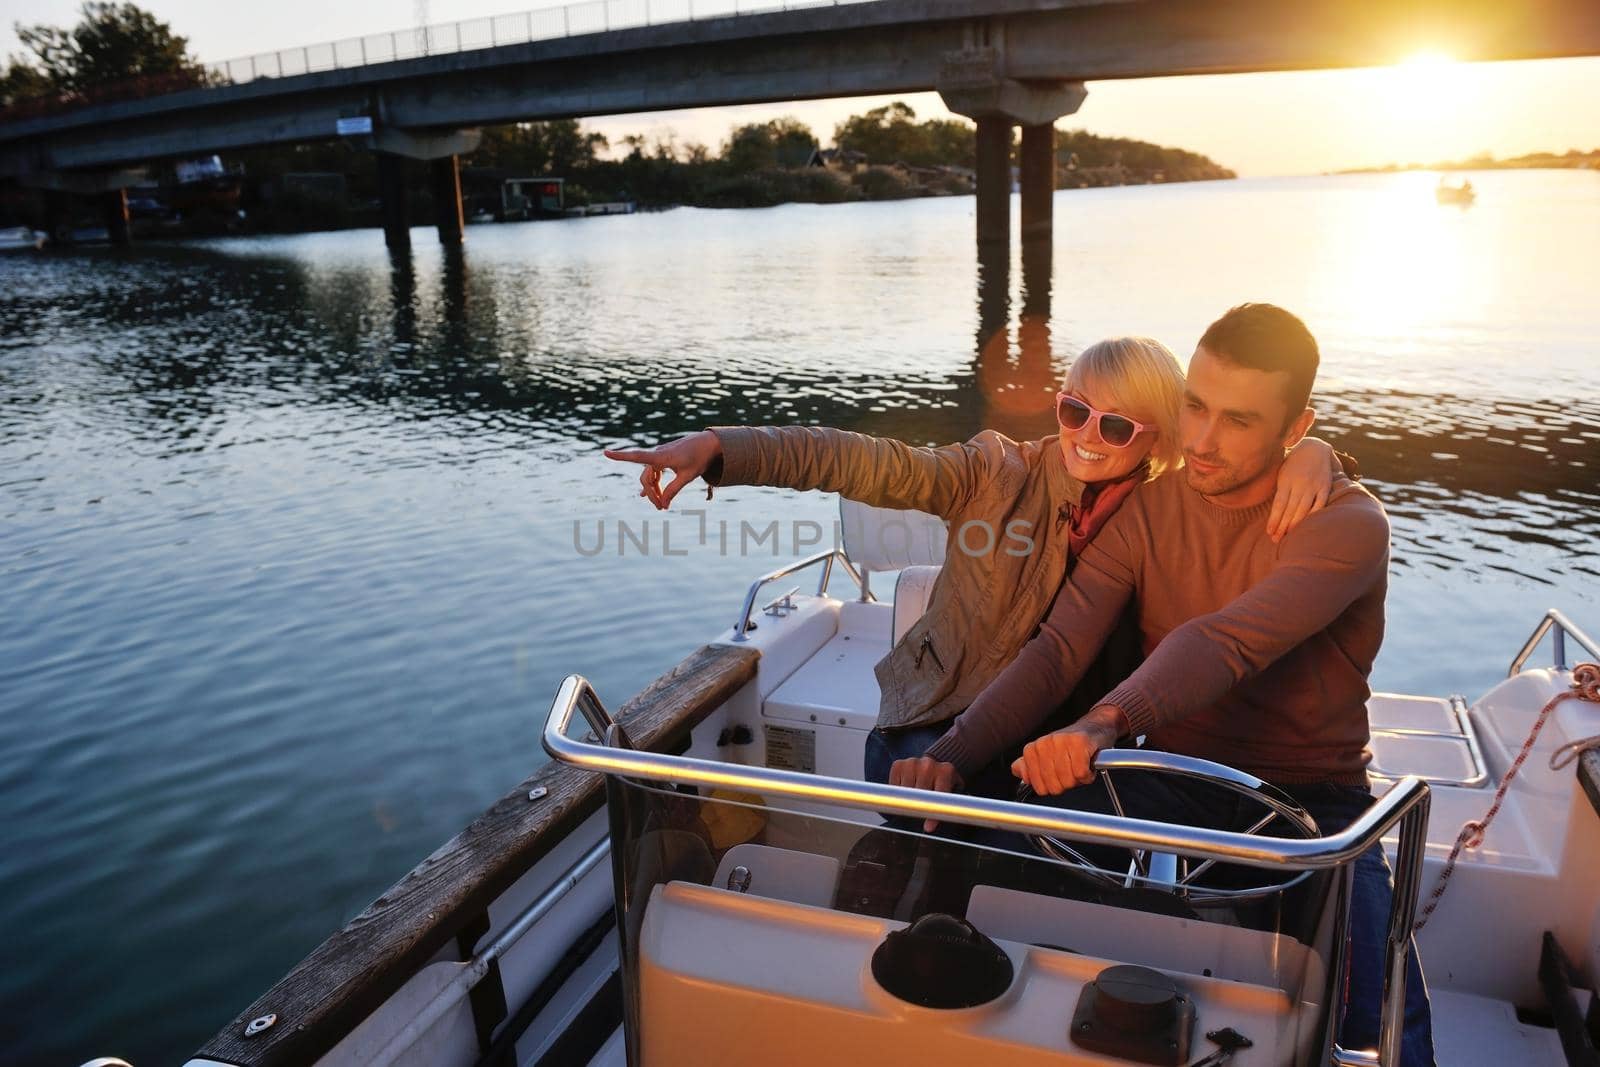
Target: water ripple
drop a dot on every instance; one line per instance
(287, 569)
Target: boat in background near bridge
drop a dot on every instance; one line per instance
(21, 239)
(723, 892)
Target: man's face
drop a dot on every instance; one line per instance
(1234, 425)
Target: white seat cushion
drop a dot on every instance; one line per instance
(911, 593)
(886, 539)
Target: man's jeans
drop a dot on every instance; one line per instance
(884, 747)
(1334, 808)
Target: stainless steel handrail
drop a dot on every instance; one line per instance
(1564, 628)
(827, 559)
(1309, 853)
(1406, 803)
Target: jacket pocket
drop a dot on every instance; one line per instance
(927, 650)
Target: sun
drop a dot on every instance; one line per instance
(1424, 88)
(1427, 58)
(1423, 77)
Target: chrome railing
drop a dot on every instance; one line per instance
(827, 559)
(1563, 628)
(1406, 804)
(466, 35)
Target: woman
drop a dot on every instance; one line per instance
(1040, 501)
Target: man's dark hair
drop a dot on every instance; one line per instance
(1266, 337)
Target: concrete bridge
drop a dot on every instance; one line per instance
(1003, 63)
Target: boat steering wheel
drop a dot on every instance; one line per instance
(1175, 873)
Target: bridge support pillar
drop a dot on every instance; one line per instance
(440, 148)
(392, 201)
(970, 85)
(105, 188)
(58, 215)
(445, 176)
(1037, 174)
(1037, 171)
(994, 182)
(115, 206)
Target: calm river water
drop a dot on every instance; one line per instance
(288, 573)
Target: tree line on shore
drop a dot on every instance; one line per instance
(884, 153)
(1572, 159)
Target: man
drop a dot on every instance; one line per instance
(1257, 652)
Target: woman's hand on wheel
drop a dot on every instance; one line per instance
(688, 458)
(924, 772)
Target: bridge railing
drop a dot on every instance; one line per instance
(540, 24)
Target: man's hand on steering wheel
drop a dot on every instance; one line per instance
(1064, 760)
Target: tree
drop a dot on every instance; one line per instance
(792, 142)
(1101, 160)
(571, 147)
(948, 141)
(891, 134)
(21, 81)
(557, 148)
(113, 44)
(783, 142)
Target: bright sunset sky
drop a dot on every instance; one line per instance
(1258, 124)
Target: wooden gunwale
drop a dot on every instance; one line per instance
(1589, 777)
(356, 969)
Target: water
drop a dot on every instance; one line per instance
(288, 572)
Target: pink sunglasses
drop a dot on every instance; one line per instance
(1118, 431)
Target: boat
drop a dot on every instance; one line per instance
(206, 187)
(1446, 193)
(702, 877)
(21, 239)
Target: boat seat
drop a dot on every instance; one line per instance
(911, 593)
(837, 685)
(890, 539)
(1424, 736)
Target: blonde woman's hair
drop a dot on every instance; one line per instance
(1140, 377)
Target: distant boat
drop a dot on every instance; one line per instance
(206, 187)
(1447, 193)
(21, 239)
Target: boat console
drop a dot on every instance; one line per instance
(765, 918)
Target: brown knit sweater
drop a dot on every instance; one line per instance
(1257, 654)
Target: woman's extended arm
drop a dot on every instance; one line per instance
(874, 470)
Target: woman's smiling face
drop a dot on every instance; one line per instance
(1087, 456)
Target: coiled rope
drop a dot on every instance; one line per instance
(1585, 686)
